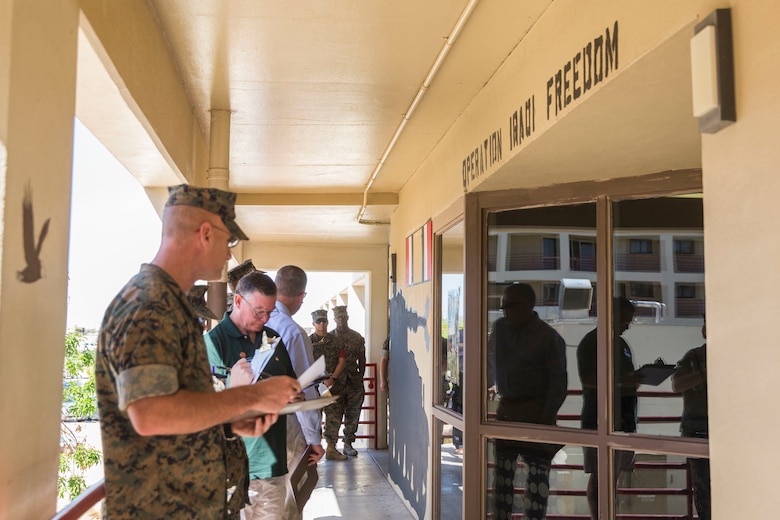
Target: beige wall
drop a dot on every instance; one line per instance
(37, 96)
(136, 97)
(741, 176)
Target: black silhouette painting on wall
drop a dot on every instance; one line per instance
(32, 250)
(408, 435)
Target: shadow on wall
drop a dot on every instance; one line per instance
(408, 436)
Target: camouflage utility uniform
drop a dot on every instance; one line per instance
(151, 344)
(354, 391)
(328, 347)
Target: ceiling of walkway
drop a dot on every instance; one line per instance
(318, 91)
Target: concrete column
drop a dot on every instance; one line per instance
(38, 43)
(219, 177)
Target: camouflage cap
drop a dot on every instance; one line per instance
(340, 310)
(218, 202)
(239, 271)
(197, 298)
(319, 314)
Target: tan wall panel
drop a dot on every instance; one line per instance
(741, 176)
(38, 96)
(126, 38)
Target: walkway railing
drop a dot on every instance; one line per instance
(686, 490)
(97, 492)
(368, 412)
(83, 503)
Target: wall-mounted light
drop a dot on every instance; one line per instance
(712, 72)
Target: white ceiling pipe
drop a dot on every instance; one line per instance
(464, 16)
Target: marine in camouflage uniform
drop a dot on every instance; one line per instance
(234, 275)
(172, 476)
(152, 373)
(354, 391)
(324, 344)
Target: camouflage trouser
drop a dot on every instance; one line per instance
(700, 475)
(347, 407)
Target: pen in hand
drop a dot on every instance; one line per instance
(220, 371)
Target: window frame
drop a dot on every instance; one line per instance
(477, 207)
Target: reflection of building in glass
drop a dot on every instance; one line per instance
(654, 267)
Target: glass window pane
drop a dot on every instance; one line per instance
(533, 479)
(451, 473)
(659, 268)
(452, 320)
(667, 486)
(540, 304)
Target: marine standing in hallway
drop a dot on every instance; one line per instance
(168, 449)
(325, 344)
(352, 399)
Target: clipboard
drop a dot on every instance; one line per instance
(300, 406)
(311, 404)
(303, 479)
(655, 373)
(308, 377)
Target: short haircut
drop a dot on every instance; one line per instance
(621, 307)
(181, 220)
(256, 281)
(291, 280)
(520, 292)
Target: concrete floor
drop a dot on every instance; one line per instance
(356, 488)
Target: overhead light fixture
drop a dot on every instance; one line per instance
(712, 72)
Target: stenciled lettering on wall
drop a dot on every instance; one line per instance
(522, 123)
(586, 69)
(589, 66)
(486, 155)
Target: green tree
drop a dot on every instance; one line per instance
(78, 402)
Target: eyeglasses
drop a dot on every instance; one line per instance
(232, 239)
(260, 313)
(321, 320)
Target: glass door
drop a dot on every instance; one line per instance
(449, 372)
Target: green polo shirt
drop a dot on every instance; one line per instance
(225, 343)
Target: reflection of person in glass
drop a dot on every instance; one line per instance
(625, 398)
(690, 378)
(451, 393)
(527, 364)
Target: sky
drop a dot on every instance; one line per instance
(114, 229)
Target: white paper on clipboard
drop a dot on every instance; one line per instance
(314, 371)
(260, 360)
(263, 355)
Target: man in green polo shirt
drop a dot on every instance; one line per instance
(238, 336)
